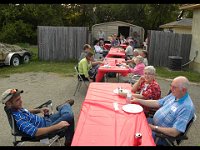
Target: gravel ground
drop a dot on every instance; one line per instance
(39, 87)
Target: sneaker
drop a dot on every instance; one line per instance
(70, 101)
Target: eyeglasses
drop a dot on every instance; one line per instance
(173, 87)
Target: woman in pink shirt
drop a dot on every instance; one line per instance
(139, 67)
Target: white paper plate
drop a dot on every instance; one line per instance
(124, 91)
(132, 108)
(106, 66)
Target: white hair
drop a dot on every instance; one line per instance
(140, 58)
(151, 69)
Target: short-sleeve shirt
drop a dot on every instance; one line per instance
(138, 69)
(129, 51)
(28, 122)
(150, 91)
(84, 66)
(174, 113)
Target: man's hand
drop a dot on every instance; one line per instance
(62, 124)
(152, 127)
(44, 110)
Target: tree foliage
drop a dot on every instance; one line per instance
(18, 23)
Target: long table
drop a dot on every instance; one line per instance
(100, 124)
(108, 46)
(113, 68)
(116, 52)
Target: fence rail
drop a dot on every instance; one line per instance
(165, 44)
(61, 43)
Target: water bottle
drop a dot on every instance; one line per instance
(128, 97)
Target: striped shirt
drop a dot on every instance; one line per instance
(27, 122)
(174, 113)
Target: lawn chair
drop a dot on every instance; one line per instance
(48, 138)
(80, 80)
(175, 141)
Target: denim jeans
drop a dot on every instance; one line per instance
(64, 113)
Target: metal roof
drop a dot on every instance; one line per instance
(189, 6)
(183, 23)
(128, 24)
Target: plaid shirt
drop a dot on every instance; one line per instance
(28, 122)
(152, 91)
(174, 113)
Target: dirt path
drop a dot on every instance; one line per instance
(39, 87)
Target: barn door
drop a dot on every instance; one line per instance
(124, 30)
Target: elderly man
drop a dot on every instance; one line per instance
(175, 110)
(34, 125)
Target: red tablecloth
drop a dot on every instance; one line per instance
(107, 46)
(113, 68)
(100, 124)
(116, 52)
(124, 46)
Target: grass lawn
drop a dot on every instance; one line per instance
(67, 68)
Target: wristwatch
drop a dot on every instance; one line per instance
(156, 128)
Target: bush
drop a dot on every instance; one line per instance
(17, 32)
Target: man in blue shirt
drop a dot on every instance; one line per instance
(175, 110)
(35, 125)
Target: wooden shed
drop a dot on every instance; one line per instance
(119, 27)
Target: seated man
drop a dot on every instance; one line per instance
(34, 125)
(86, 48)
(129, 51)
(144, 54)
(175, 110)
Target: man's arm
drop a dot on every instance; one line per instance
(39, 110)
(168, 131)
(35, 111)
(148, 103)
(46, 130)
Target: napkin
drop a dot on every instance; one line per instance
(115, 105)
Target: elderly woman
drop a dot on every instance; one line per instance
(138, 70)
(139, 67)
(147, 87)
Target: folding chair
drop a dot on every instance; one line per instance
(175, 141)
(80, 80)
(49, 138)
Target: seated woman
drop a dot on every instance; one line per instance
(147, 87)
(139, 67)
(84, 66)
(137, 70)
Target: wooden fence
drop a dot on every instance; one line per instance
(61, 43)
(165, 44)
